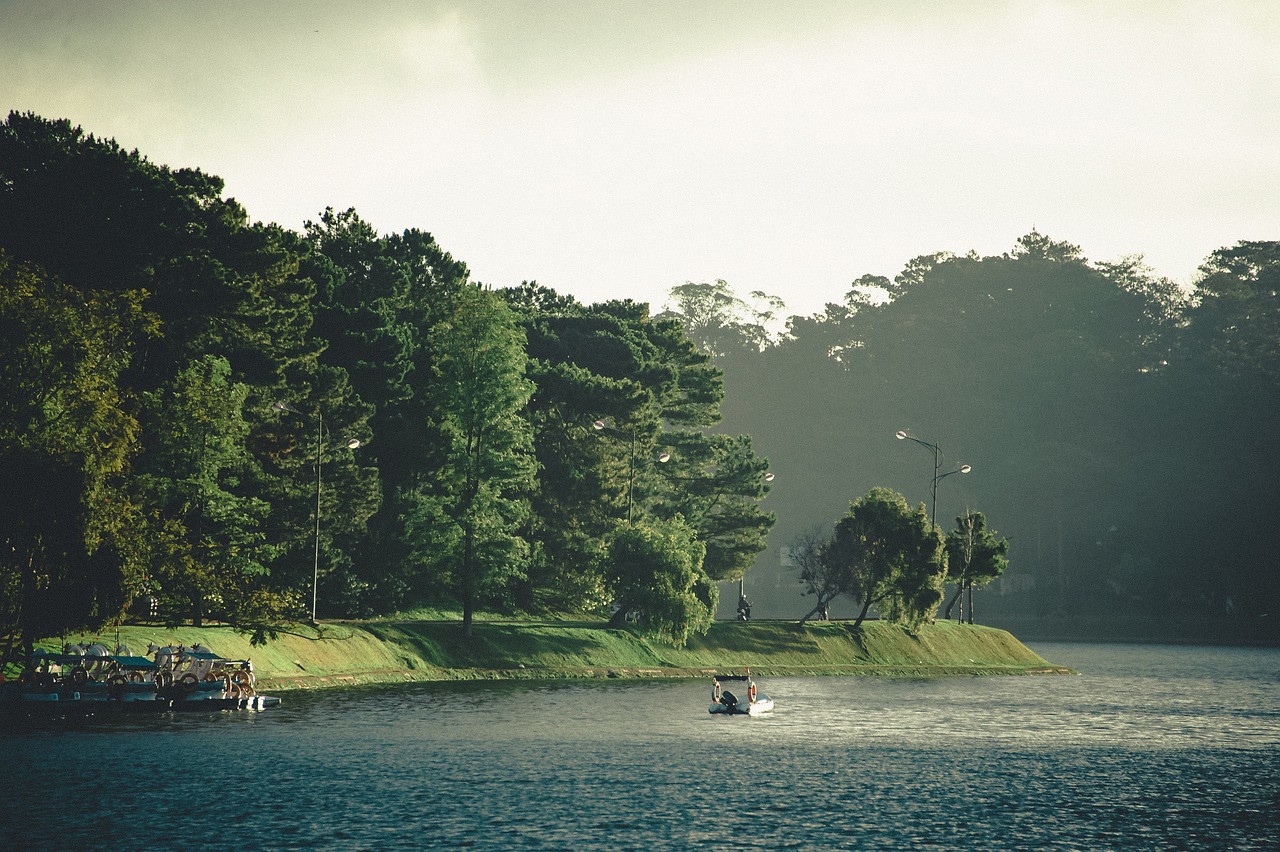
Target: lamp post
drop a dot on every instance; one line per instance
(662, 458)
(937, 466)
(351, 444)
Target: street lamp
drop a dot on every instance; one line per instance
(937, 466)
(351, 444)
(662, 458)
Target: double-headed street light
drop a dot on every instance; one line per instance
(937, 467)
(662, 458)
(351, 444)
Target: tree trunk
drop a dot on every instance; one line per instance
(954, 598)
(862, 615)
(469, 582)
(817, 608)
(971, 603)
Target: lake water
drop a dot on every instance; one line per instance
(1151, 747)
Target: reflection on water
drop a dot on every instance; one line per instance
(1150, 747)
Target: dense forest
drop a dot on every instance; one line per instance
(1120, 429)
(207, 418)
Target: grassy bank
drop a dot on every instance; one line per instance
(346, 653)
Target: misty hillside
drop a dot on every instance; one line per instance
(1121, 433)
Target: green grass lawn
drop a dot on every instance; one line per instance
(434, 648)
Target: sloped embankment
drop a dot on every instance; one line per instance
(344, 653)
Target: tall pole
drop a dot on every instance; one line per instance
(351, 444)
(937, 464)
(601, 426)
(315, 581)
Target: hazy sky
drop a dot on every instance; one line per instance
(616, 149)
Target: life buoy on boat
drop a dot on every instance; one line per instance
(116, 685)
(715, 692)
(79, 676)
(188, 681)
(164, 679)
(241, 677)
(751, 693)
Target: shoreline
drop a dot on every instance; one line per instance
(346, 654)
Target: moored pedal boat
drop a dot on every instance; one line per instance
(80, 682)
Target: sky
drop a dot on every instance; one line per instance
(616, 149)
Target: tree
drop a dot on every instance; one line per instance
(377, 299)
(588, 364)
(71, 537)
(975, 557)
(720, 322)
(717, 482)
(195, 432)
(822, 576)
(893, 557)
(658, 578)
(1237, 318)
(465, 527)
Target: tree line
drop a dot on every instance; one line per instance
(232, 421)
(1120, 428)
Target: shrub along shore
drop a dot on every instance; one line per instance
(350, 653)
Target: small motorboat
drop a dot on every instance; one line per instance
(727, 703)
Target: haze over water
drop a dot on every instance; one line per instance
(1151, 747)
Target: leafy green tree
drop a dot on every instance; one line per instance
(583, 362)
(378, 297)
(975, 557)
(659, 581)
(71, 538)
(893, 556)
(717, 482)
(652, 392)
(105, 219)
(317, 473)
(195, 431)
(466, 526)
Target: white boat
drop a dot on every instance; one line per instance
(727, 703)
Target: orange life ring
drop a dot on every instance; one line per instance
(188, 681)
(751, 692)
(715, 692)
(242, 677)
